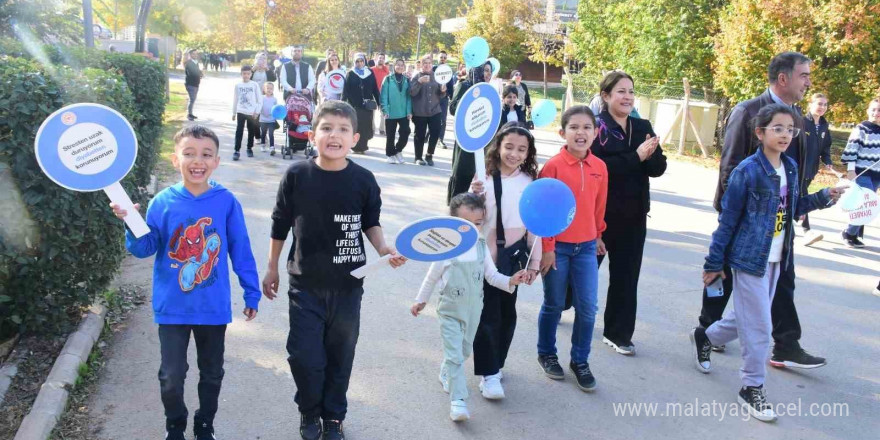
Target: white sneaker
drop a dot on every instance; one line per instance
(444, 382)
(392, 160)
(491, 387)
(811, 237)
(458, 411)
(399, 158)
(877, 291)
(263, 148)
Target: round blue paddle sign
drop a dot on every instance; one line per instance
(477, 117)
(86, 147)
(436, 238)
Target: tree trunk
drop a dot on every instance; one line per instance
(545, 80)
(141, 26)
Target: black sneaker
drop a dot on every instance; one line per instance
(756, 400)
(191, 117)
(203, 430)
(585, 380)
(310, 427)
(795, 358)
(250, 152)
(852, 240)
(429, 160)
(333, 430)
(235, 155)
(550, 364)
(174, 435)
(702, 349)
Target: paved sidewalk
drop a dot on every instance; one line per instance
(394, 391)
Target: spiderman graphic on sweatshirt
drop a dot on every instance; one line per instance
(198, 253)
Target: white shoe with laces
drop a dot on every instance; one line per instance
(811, 237)
(490, 387)
(399, 158)
(392, 160)
(458, 411)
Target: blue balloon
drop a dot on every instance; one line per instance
(547, 207)
(279, 111)
(544, 113)
(475, 52)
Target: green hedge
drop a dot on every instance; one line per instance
(62, 247)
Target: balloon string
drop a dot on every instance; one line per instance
(535, 243)
(867, 169)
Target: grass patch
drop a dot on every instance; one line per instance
(175, 116)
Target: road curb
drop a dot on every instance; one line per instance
(52, 399)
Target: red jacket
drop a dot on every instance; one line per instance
(380, 74)
(588, 180)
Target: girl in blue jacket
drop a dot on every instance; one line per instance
(754, 237)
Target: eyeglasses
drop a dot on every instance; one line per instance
(780, 130)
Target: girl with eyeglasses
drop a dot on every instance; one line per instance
(632, 152)
(754, 237)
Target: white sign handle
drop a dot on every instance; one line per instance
(370, 268)
(133, 219)
(480, 163)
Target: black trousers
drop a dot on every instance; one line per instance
(173, 345)
(463, 170)
(324, 328)
(625, 242)
(806, 223)
(253, 130)
(431, 125)
(444, 115)
(402, 125)
(786, 325)
(495, 332)
(267, 129)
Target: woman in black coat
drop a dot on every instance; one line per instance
(510, 110)
(361, 92)
(631, 151)
(463, 168)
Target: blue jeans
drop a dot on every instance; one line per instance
(871, 182)
(576, 265)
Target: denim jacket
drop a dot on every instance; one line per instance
(748, 215)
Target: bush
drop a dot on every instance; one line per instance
(64, 246)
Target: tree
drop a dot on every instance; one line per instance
(545, 43)
(653, 40)
(504, 24)
(840, 36)
(44, 20)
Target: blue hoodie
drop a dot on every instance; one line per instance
(191, 237)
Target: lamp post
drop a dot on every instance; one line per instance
(421, 19)
(174, 21)
(270, 6)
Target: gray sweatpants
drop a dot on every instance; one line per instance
(750, 321)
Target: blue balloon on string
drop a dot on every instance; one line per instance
(544, 113)
(547, 207)
(279, 111)
(475, 52)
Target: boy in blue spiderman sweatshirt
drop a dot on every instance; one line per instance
(195, 226)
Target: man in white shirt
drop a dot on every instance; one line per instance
(297, 76)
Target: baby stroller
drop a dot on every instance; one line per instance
(297, 126)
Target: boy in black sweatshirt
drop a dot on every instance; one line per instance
(327, 201)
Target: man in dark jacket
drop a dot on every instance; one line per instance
(193, 78)
(789, 77)
(818, 136)
(444, 102)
